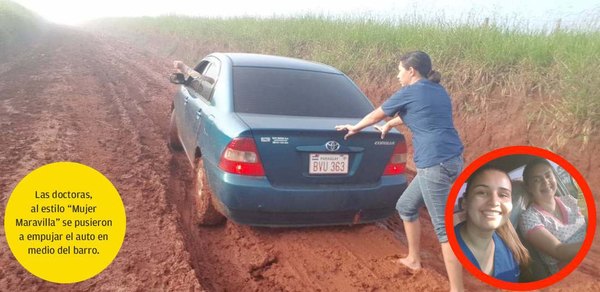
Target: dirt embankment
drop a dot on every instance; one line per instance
(95, 100)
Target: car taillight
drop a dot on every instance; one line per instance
(397, 162)
(241, 157)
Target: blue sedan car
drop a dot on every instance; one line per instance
(259, 133)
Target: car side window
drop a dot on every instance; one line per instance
(201, 66)
(196, 83)
(203, 85)
(210, 78)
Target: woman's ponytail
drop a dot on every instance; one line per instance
(434, 76)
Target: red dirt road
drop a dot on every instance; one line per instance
(81, 97)
(73, 97)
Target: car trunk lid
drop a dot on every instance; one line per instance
(301, 151)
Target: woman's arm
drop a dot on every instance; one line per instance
(543, 240)
(185, 69)
(397, 121)
(370, 119)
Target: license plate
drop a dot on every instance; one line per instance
(328, 163)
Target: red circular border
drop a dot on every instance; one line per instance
(529, 150)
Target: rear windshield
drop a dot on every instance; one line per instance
(290, 92)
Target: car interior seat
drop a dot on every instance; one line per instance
(519, 201)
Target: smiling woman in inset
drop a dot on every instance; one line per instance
(487, 238)
(553, 225)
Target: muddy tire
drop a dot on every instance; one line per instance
(174, 143)
(206, 213)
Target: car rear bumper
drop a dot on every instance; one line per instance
(254, 201)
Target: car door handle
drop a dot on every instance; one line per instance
(185, 101)
(198, 114)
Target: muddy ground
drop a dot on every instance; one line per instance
(77, 96)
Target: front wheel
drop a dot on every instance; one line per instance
(203, 205)
(174, 143)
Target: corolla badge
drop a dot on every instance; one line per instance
(332, 146)
(384, 143)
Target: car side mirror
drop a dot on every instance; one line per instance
(177, 78)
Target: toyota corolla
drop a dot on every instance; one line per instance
(259, 133)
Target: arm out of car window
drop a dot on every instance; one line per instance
(185, 69)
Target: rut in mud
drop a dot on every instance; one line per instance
(74, 97)
(84, 97)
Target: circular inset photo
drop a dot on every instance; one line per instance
(520, 218)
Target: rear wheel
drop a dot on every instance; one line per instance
(203, 205)
(174, 143)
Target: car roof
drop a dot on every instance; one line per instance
(511, 162)
(270, 61)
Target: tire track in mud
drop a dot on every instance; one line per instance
(82, 103)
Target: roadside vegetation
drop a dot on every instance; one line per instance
(558, 69)
(18, 27)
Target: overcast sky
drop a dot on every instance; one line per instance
(535, 12)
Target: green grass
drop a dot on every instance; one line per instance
(563, 66)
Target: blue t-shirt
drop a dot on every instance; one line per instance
(506, 267)
(426, 109)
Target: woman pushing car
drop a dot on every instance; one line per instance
(425, 107)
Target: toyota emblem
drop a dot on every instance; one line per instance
(332, 146)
